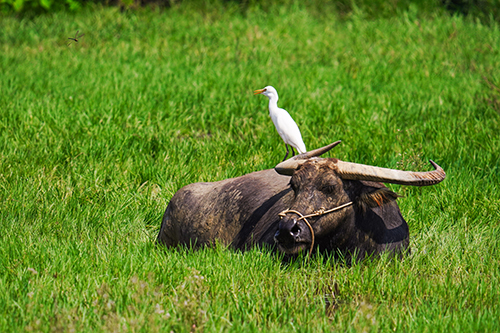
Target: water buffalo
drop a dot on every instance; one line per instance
(306, 203)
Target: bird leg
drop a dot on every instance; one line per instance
(293, 151)
(286, 151)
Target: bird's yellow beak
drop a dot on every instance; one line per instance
(259, 91)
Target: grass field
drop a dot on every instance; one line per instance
(96, 137)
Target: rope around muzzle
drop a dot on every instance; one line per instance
(319, 212)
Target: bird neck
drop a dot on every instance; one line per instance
(273, 104)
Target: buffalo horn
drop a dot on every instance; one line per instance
(290, 165)
(354, 171)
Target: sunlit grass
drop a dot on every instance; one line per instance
(95, 138)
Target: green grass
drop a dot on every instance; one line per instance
(95, 138)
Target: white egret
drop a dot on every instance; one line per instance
(285, 125)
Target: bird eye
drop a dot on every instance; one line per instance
(264, 89)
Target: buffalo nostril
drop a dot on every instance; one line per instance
(288, 232)
(295, 231)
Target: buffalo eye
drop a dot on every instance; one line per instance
(328, 188)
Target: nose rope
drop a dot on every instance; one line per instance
(319, 212)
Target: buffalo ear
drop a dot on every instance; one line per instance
(379, 197)
(371, 194)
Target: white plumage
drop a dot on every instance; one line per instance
(285, 125)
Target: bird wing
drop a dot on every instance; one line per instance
(289, 131)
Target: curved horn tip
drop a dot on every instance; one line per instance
(435, 165)
(333, 144)
(288, 166)
(319, 151)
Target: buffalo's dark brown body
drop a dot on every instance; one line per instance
(240, 211)
(243, 212)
